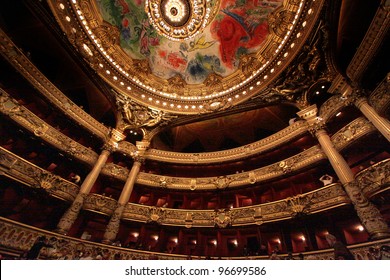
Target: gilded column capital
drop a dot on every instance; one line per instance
(117, 135)
(138, 157)
(110, 146)
(318, 128)
(357, 97)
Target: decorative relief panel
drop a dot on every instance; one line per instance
(308, 157)
(100, 203)
(357, 128)
(18, 237)
(115, 171)
(36, 177)
(222, 218)
(304, 204)
(380, 97)
(374, 178)
(331, 107)
(135, 116)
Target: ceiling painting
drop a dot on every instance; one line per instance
(240, 27)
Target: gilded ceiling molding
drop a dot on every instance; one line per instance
(290, 26)
(17, 237)
(23, 65)
(374, 179)
(181, 19)
(26, 119)
(375, 36)
(31, 175)
(305, 204)
(284, 136)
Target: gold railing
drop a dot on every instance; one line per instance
(16, 238)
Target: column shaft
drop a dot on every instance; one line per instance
(368, 214)
(379, 122)
(72, 213)
(338, 163)
(114, 223)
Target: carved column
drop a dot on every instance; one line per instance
(114, 223)
(379, 122)
(368, 214)
(72, 213)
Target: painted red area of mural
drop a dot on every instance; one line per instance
(176, 61)
(125, 7)
(238, 30)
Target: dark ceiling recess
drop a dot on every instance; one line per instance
(355, 18)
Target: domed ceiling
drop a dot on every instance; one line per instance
(188, 57)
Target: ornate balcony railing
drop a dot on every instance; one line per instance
(16, 238)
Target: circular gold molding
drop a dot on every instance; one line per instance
(180, 19)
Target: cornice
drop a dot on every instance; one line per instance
(290, 165)
(371, 43)
(290, 133)
(26, 68)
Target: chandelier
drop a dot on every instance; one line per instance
(180, 19)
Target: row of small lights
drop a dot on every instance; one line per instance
(235, 242)
(156, 237)
(169, 95)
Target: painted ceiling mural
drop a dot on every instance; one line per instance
(240, 27)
